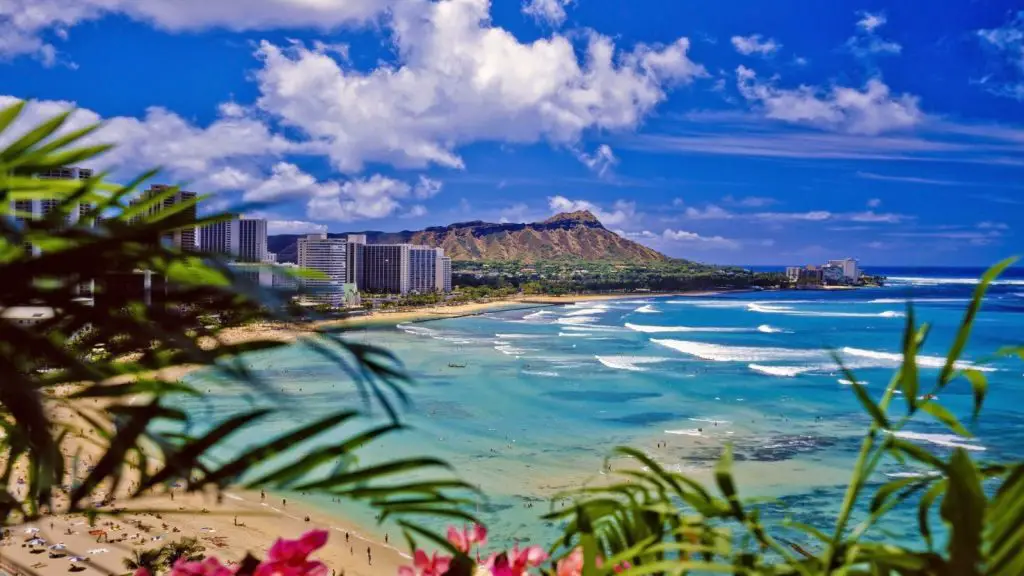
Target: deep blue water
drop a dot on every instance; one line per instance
(548, 392)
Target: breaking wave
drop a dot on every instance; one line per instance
(947, 440)
(631, 363)
(784, 371)
(647, 309)
(925, 361)
(659, 329)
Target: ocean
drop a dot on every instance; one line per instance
(546, 393)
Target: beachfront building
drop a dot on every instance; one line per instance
(444, 272)
(252, 240)
(327, 256)
(849, 266)
(40, 208)
(385, 268)
(183, 238)
(221, 237)
(424, 262)
(354, 259)
(832, 275)
(793, 273)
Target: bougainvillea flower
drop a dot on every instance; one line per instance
(291, 557)
(424, 565)
(464, 539)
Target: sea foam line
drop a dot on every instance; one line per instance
(926, 361)
(631, 363)
(948, 440)
(659, 329)
(788, 310)
(647, 309)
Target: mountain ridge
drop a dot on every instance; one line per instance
(569, 234)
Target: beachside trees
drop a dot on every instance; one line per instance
(89, 389)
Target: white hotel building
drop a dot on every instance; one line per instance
(326, 255)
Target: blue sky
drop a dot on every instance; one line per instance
(743, 132)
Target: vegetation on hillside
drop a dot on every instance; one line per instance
(649, 521)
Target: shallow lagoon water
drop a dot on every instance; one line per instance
(546, 393)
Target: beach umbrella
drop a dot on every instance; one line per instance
(37, 542)
(31, 530)
(58, 547)
(76, 559)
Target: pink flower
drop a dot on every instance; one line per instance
(571, 565)
(141, 572)
(208, 567)
(424, 565)
(622, 567)
(464, 539)
(290, 557)
(515, 562)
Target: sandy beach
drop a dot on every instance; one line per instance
(241, 521)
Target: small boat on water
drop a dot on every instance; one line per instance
(453, 365)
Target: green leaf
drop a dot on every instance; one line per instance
(924, 509)
(940, 413)
(908, 369)
(33, 137)
(10, 114)
(979, 386)
(963, 510)
(1004, 535)
(964, 332)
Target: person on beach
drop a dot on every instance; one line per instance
(284, 503)
(369, 556)
(263, 495)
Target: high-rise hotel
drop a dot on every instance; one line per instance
(184, 238)
(244, 239)
(327, 256)
(40, 208)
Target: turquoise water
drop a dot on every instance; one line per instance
(548, 392)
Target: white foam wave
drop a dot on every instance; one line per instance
(686, 432)
(631, 363)
(788, 310)
(518, 336)
(784, 371)
(659, 329)
(647, 309)
(930, 474)
(574, 334)
(948, 440)
(846, 382)
(510, 350)
(709, 303)
(577, 320)
(632, 301)
(536, 315)
(593, 328)
(588, 311)
(769, 329)
(541, 373)
(922, 360)
(924, 281)
(723, 353)
(710, 421)
(915, 300)
(416, 330)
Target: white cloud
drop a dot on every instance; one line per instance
(600, 162)
(988, 225)
(812, 216)
(287, 180)
(755, 44)
(695, 238)
(188, 152)
(623, 212)
(868, 21)
(24, 24)
(749, 201)
(294, 227)
(514, 213)
(373, 197)
(871, 111)
(874, 203)
(872, 216)
(416, 211)
(551, 12)
(427, 188)
(709, 212)
(866, 41)
(678, 202)
(1008, 42)
(459, 80)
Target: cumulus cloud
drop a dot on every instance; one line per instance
(755, 44)
(188, 152)
(415, 211)
(713, 212)
(709, 212)
(622, 212)
(600, 162)
(695, 238)
(870, 111)
(459, 80)
(868, 21)
(25, 24)
(551, 12)
(374, 197)
(427, 188)
(294, 227)
(874, 203)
